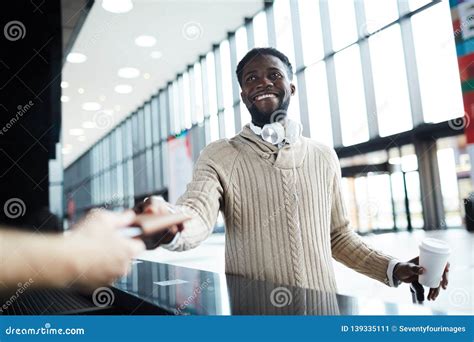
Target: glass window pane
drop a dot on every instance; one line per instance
(211, 82)
(186, 101)
(343, 23)
(148, 126)
(350, 90)
(260, 29)
(164, 114)
(178, 104)
(415, 4)
(390, 82)
(155, 119)
(436, 58)
(311, 34)
(198, 95)
(378, 14)
(283, 29)
(319, 111)
(241, 43)
(226, 74)
(228, 100)
(141, 130)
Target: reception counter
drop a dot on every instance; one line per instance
(156, 288)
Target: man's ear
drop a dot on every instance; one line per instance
(293, 89)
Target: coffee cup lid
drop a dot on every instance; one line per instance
(435, 246)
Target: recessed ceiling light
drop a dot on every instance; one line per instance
(123, 88)
(76, 131)
(146, 76)
(117, 108)
(76, 57)
(64, 84)
(128, 72)
(81, 138)
(91, 106)
(145, 41)
(102, 98)
(117, 6)
(156, 54)
(80, 90)
(65, 99)
(89, 124)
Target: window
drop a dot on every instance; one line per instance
(260, 29)
(436, 59)
(390, 82)
(164, 114)
(415, 4)
(199, 109)
(228, 100)
(212, 91)
(185, 100)
(350, 90)
(178, 108)
(311, 34)
(283, 29)
(319, 112)
(241, 43)
(147, 124)
(343, 23)
(155, 119)
(378, 14)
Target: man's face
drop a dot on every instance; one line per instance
(266, 88)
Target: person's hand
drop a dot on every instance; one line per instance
(98, 252)
(158, 206)
(408, 272)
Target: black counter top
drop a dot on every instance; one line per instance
(168, 289)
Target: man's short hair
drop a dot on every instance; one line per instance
(260, 52)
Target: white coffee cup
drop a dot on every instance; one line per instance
(434, 255)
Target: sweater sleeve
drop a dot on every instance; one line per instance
(201, 202)
(347, 247)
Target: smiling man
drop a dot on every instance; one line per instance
(280, 194)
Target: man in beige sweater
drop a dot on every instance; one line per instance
(282, 203)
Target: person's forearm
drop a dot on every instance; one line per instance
(42, 260)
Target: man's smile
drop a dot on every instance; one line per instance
(264, 96)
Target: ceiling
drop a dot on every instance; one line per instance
(184, 29)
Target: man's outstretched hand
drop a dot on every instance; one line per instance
(408, 272)
(158, 206)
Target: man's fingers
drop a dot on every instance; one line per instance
(433, 294)
(444, 280)
(415, 269)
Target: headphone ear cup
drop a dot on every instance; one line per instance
(293, 131)
(273, 133)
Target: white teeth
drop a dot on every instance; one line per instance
(264, 96)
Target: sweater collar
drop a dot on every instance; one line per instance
(285, 157)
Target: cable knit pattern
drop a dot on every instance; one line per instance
(270, 234)
(296, 245)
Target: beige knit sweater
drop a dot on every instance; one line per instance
(283, 209)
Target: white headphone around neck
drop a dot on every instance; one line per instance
(276, 132)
